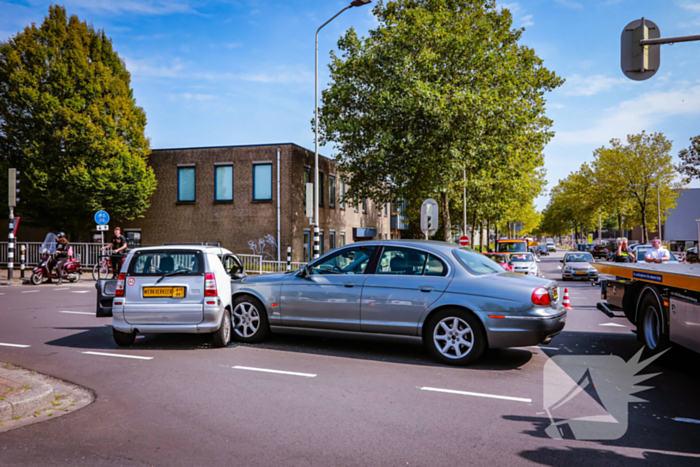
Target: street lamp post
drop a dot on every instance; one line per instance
(316, 219)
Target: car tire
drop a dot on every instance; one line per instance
(36, 278)
(249, 319)
(652, 326)
(455, 326)
(123, 339)
(222, 336)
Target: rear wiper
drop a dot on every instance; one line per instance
(174, 273)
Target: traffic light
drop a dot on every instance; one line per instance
(430, 222)
(12, 187)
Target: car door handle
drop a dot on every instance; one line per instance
(349, 284)
(426, 289)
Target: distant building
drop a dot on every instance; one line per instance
(680, 226)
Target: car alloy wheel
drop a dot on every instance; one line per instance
(453, 337)
(246, 319)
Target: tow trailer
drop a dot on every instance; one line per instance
(662, 300)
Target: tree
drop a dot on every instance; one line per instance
(690, 160)
(70, 124)
(408, 113)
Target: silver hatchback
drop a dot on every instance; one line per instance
(458, 301)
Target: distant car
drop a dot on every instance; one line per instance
(691, 255)
(640, 253)
(551, 246)
(544, 251)
(524, 263)
(599, 251)
(577, 265)
(535, 251)
(503, 260)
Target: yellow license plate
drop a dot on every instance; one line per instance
(172, 292)
(581, 272)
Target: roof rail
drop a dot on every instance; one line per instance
(184, 243)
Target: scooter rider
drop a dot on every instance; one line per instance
(118, 246)
(62, 249)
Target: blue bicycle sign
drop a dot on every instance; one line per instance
(101, 217)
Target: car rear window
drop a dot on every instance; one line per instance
(476, 263)
(159, 262)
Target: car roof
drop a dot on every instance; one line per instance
(203, 248)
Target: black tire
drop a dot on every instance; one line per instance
(123, 339)
(434, 333)
(222, 336)
(247, 311)
(651, 325)
(36, 278)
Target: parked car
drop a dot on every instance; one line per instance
(503, 260)
(457, 300)
(524, 263)
(551, 246)
(691, 255)
(535, 251)
(577, 265)
(544, 251)
(173, 289)
(600, 251)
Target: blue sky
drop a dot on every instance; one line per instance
(242, 71)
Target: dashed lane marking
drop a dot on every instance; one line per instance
(62, 288)
(29, 291)
(102, 354)
(77, 312)
(79, 291)
(279, 372)
(478, 394)
(543, 347)
(15, 345)
(685, 420)
(613, 325)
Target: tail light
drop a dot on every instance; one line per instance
(119, 291)
(540, 296)
(210, 285)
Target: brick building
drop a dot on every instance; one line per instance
(252, 199)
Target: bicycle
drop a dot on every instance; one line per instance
(104, 267)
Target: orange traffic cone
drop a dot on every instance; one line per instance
(566, 302)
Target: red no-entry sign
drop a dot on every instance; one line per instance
(464, 240)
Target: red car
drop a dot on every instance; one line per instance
(503, 259)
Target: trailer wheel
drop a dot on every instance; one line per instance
(651, 324)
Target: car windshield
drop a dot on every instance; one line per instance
(159, 262)
(522, 258)
(476, 263)
(510, 247)
(579, 258)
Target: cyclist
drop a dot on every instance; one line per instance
(118, 246)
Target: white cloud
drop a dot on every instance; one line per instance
(526, 21)
(147, 68)
(556, 106)
(519, 17)
(569, 4)
(144, 7)
(191, 97)
(692, 6)
(632, 116)
(577, 85)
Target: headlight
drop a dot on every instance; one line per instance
(567, 269)
(592, 269)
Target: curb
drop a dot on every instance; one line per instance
(23, 394)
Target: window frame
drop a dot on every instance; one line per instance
(320, 188)
(307, 171)
(255, 166)
(181, 168)
(331, 191)
(364, 206)
(342, 194)
(216, 182)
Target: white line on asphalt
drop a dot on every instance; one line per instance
(477, 394)
(15, 345)
(30, 291)
(686, 420)
(613, 325)
(307, 375)
(62, 288)
(118, 355)
(543, 347)
(559, 267)
(77, 312)
(79, 291)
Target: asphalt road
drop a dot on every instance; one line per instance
(340, 402)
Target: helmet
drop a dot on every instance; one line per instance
(61, 235)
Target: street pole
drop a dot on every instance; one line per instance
(316, 220)
(658, 208)
(11, 244)
(600, 228)
(464, 190)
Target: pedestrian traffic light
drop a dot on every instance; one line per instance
(12, 189)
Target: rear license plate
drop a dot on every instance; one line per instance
(159, 292)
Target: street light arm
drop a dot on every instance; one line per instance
(336, 15)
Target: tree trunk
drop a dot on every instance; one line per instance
(446, 216)
(481, 237)
(488, 234)
(619, 224)
(645, 235)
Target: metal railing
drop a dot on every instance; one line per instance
(255, 264)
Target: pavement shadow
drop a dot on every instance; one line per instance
(100, 338)
(588, 456)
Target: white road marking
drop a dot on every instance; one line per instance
(79, 291)
(30, 291)
(613, 325)
(62, 288)
(307, 375)
(117, 355)
(543, 347)
(686, 420)
(478, 394)
(558, 267)
(77, 312)
(15, 345)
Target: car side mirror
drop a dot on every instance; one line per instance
(238, 275)
(305, 272)
(561, 260)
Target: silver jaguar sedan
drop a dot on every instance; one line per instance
(458, 301)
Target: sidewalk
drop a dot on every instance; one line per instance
(28, 397)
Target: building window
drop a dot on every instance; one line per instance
(320, 188)
(342, 194)
(133, 238)
(307, 179)
(341, 240)
(331, 191)
(185, 184)
(262, 182)
(307, 246)
(364, 205)
(357, 207)
(320, 243)
(223, 183)
(331, 241)
(387, 206)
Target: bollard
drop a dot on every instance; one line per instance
(22, 260)
(316, 241)
(10, 252)
(289, 258)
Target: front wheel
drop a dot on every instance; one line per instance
(651, 325)
(222, 336)
(249, 319)
(100, 271)
(455, 337)
(36, 278)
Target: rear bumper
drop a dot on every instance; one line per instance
(523, 330)
(210, 322)
(587, 276)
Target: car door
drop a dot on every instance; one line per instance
(329, 296)
(406, 282)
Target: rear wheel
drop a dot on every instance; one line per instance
(123, 339)
(222, 336)
(100, 271)
(249, 319)
(651, 324)
(455, 337)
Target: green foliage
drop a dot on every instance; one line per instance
(690, 160)
(70, 124)
(439, 86)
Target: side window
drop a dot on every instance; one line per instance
(403, 261)
(348, 261)
(435, 267)
(231, 266)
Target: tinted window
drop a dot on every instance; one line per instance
(262, 182)
(224, 183)
(347, 261)
(522, 258)
(476, 263)
(403, 261)
(185, 184)
(158, 262)
(435, 267)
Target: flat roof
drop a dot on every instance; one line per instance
(239, 146)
